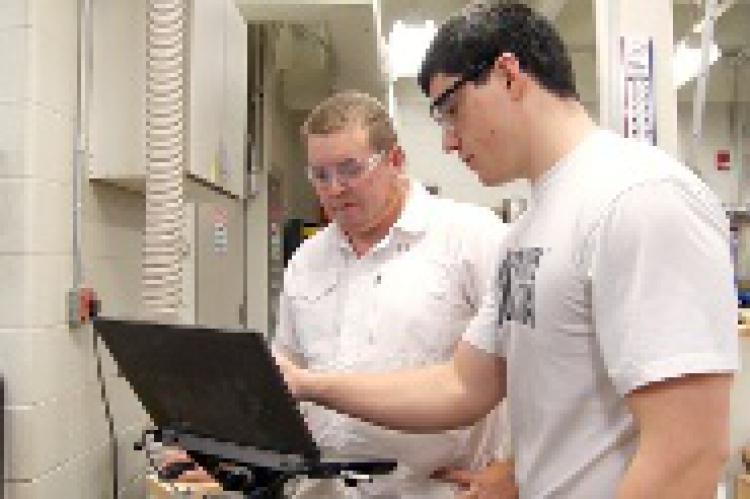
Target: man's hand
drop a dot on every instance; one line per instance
(495, 481)
(174, 456)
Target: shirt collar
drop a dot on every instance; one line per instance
(413, 218)
(549, 177)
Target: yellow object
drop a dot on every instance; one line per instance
(213, 172)
(744, 326)
(162, 490)
(743, 487)
(309, 231)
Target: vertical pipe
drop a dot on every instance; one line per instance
(80, 149)
(738, 125)
(249, 40)
(258, 94)
(607, 15)
(699, 100)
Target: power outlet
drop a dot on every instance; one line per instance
(83, 306)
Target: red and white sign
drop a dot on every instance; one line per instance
(723, 160)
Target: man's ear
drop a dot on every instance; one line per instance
(508, 67)
(398, 158)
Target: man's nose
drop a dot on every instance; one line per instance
(335, 186)
(451, 142)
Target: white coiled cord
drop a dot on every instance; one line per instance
(165, 157)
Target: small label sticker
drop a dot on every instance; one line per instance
(221, 230)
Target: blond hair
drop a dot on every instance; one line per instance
(348, 109)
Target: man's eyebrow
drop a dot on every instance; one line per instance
(339, 162)
(344, 161)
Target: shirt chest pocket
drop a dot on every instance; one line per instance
(314, 302)
(423, 305)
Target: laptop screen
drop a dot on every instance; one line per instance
(213, 383)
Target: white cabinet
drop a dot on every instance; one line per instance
(215, 101)
(217, 93)
(117, 134)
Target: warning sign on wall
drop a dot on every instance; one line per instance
(220, 218)
(723, 160)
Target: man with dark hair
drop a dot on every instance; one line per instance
(467, 44)
(611, 324)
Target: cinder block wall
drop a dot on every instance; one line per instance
(56, 442)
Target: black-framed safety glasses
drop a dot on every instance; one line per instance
(442, 109)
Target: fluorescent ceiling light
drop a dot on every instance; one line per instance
(687, 62)
(407, 44)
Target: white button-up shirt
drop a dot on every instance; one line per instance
(404, 304)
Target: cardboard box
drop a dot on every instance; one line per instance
(162, 490)
(743, 487)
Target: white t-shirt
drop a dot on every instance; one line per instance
(618, 276)
(404, 304)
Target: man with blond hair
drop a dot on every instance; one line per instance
(391, 283)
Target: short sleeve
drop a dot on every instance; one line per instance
(484, 331)
(662, 286)
(483, 236)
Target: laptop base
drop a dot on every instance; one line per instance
(262, 474)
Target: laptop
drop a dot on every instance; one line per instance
(221, 391)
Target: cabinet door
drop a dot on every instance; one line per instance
(219, 261)
(217, 104)
(118, 106)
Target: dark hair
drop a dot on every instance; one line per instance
(475, 36)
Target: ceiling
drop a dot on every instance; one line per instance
(420, 10)
(355, 33)
(356, 45)
(575, 19)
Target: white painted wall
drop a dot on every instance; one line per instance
(730, 186)
(114, 220)
(717, 134)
